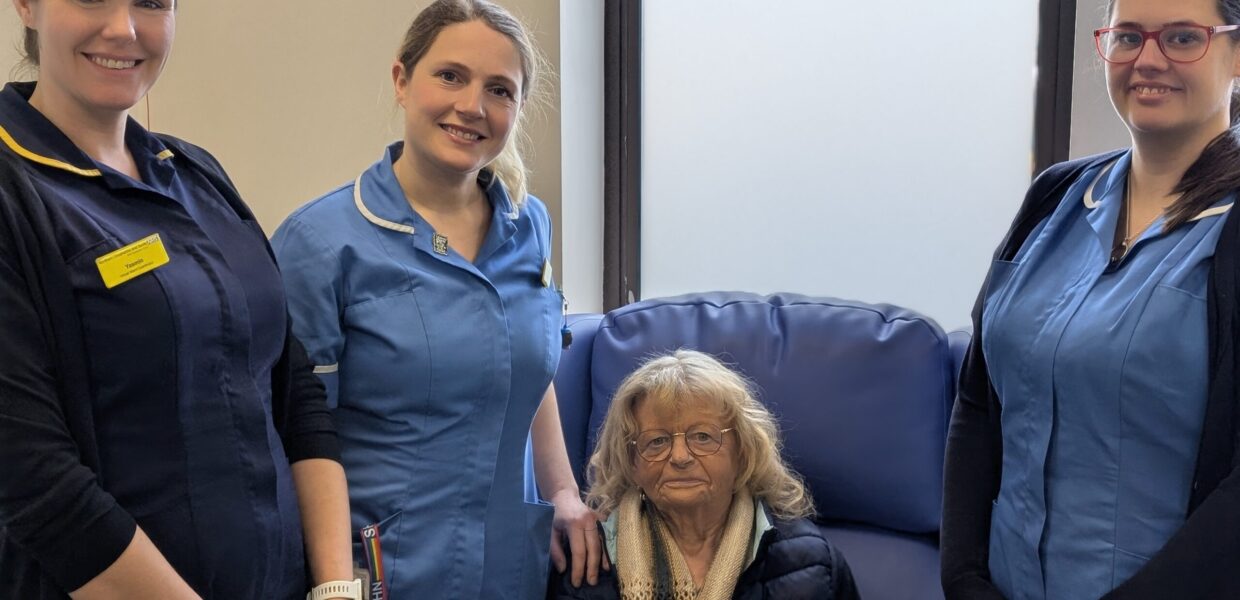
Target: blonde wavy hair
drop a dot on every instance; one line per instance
(675, 380)
(509, 167)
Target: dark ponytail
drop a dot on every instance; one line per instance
(1216, 172)
(1213, 175)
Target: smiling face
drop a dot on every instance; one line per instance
(1155, 96)
(97, 57)
(685, 483)
(461, 100)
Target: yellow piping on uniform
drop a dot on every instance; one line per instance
(166, 154)
(43, 160)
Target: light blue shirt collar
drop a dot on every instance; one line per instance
(1106, 194)
(383, 203)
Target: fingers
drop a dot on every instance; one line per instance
(594, 553)
(557, 552)
(577, 547)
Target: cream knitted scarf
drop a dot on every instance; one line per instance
(646, 570)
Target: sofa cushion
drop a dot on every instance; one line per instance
(888, 565)
(861, 391)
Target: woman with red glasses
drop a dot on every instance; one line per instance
(1093, 448)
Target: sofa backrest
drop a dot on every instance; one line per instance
(572, 386)
(862, 392)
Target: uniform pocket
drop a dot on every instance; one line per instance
(998, 289)
(385, 368)
(1163, 403)
(388, 542)
(1126, 564)
(538, 517)
(1000, 275)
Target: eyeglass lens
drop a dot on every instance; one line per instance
(1181, 44)
(701, 440)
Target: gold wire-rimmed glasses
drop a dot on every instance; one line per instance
(655, 445)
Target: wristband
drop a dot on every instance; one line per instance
(337, 589)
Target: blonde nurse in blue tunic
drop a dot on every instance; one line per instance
(423, 292)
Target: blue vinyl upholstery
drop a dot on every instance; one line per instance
(862, 392)
(572, 384)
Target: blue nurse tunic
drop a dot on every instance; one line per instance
(1101, 370)
(435, 367)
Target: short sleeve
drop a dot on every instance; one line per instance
(312, 277)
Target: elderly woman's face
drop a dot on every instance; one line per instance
(685, 481)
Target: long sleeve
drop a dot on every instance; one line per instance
(306, 426)
(51, 504)
(971, 482)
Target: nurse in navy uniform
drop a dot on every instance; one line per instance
(162, 434)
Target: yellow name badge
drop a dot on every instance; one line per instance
(142, 256)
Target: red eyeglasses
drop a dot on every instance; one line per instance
(1179, 43)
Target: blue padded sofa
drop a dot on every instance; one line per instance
(863, 394)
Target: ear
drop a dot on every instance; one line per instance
(25, 11)
(399, 79)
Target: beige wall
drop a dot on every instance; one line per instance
(295, 97)
(10, 38)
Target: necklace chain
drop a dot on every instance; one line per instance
(1128, 231)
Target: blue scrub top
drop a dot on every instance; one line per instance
(1102, 375)
(180, 358)
(434, 366)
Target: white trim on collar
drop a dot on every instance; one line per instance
(1210, 212)
(1089, 201)
(369, 216)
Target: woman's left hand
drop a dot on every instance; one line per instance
(576, 522)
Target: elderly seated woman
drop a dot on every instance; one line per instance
(696, 499)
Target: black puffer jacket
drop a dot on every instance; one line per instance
(794, 562)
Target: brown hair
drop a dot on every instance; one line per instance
(508, 166)
(1217, 171)
(30, 47)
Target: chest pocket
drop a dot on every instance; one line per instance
(386, 368)
(131, 356)
(1000, 338)
(129, 329)
(1163, 407)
